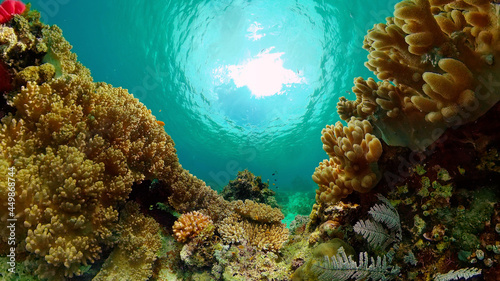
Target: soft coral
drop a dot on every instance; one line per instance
(9, 8)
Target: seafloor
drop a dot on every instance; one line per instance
(92, 188)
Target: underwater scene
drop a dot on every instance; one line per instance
(298, 140)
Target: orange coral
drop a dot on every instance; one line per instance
(190, 225)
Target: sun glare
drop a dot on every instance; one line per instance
(264, 75)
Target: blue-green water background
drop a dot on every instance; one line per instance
(165, 53)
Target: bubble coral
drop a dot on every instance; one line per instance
(9, 8)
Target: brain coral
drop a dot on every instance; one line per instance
(436, 60)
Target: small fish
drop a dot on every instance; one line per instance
(160, 110)
(274, 184)
(273, 174)
(161, 123)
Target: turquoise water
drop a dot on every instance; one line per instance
(239, 84)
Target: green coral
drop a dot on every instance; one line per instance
(445, 191)
(468, 223)
(420, 170)
(426, 183)
(443, 175)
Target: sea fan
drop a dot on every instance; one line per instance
(386, 213)
(374, 231)
(342, 267)
(465, 273)
(410, 258)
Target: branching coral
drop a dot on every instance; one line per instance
(190, 225)
(353, 152)
(77, 147)
(267, 237)
(257, 223)
(263, 236)
(436, 60)
(136, 252)
(77, 155)
(259, 212)
(230, 230)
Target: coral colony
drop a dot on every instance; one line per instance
(409, 190)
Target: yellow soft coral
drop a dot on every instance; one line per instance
(137, 248)
(436, 59)
(77, 147)
(353, 151)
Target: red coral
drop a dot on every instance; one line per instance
(5, 79)
(9, 8)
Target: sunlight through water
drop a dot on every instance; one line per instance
(264, 75)
(239, 83)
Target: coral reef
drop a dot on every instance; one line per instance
(436, 61)
(76, 147)
(248, 186)
(98, 184)
(136, 252)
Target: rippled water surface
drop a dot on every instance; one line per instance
(239, 84)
